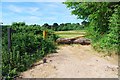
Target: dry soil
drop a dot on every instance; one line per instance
(74, 61)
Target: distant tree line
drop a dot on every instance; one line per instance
(56, 26)
(65, 26)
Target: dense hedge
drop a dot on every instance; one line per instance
(28, 46)
(104, 23)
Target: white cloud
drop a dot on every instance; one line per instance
(70, 16)
(27, 19)
(54, 13)
(33, 18)
(27, 10)
(36, 13)
(33, 9)
(53, 5)
(49, 18)
(15, 8)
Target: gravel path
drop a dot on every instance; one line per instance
(74, 61)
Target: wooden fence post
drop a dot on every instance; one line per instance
(44, 34)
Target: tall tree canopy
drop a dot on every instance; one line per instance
(102, 18)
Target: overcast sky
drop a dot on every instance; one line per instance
(36, 13)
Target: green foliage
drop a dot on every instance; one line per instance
(64, 26)
(28, 46)
(103, 23)
(111, 40)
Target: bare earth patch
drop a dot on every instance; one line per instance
(74, 61)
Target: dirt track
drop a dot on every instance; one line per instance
(74, 61)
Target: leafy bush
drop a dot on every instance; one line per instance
(28, 46)
(107, 41)
(103, 23)
(111, 40)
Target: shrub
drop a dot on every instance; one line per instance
(28, 46)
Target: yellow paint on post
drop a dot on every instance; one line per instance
(44, 34)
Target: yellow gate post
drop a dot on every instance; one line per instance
(44, 34)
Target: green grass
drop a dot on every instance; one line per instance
(70, 34)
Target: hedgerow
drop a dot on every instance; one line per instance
(27, 47)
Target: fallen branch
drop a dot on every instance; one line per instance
(77, 40)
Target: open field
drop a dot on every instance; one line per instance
(70, 34)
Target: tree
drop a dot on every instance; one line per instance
(98, 15)
(18, 24)
(46, 25)
(54, 26)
